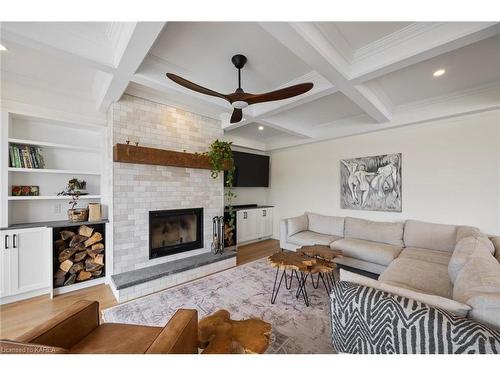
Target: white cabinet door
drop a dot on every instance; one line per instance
(5, 246)
(246, 225)
(30, 258)
(240, 227)
(264, 222)
(268, 222)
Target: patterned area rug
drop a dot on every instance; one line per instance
(244, 291)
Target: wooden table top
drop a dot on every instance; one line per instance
(321, 251)
(300, 261)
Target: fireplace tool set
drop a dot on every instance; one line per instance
(218, 235)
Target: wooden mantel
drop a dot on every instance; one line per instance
(154, 156)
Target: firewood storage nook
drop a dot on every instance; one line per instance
(78, 255)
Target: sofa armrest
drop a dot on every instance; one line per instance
(179, 336)
(366, 320)
(67, 328)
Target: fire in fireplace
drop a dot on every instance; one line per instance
(175, 231)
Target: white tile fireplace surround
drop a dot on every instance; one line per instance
(138, 189)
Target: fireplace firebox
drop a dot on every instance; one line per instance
(175, 231)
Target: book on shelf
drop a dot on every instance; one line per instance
(25, 156)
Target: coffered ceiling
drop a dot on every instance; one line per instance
(367, 76)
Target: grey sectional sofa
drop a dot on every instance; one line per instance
(449, 273)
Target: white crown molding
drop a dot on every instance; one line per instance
(12, 38)
(468, 102)
(39, 84)
(479, 91)
(416, 43)
(395, 39)
(43, 112)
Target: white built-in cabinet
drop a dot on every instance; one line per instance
(253, 224)
(25, 261)
(71, 149)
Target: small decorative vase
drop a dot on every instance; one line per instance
(78, 214)
(95, 212)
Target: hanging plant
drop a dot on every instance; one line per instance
(220, 157)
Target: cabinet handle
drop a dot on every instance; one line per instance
(14, 241)
(6, 244)
(264, 213)
(244, 215)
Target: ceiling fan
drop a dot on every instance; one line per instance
(240, 99)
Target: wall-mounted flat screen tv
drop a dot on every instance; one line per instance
(252, 170)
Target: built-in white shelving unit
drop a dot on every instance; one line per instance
(69, 150)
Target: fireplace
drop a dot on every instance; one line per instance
(175, 231)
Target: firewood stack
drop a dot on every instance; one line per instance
(79, 256)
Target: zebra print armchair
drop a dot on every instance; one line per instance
(366, 320)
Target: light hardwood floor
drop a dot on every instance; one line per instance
(19, 317)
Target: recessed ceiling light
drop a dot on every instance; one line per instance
(439, 73)
(261, 127)
(2, 48)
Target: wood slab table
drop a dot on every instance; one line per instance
(314, 260)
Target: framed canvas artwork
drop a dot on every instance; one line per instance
(371, 183)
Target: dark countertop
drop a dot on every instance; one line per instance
(53, 224)
(248, 207)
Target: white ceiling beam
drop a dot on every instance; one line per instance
(296, 131)
(295, 103)
(308, 43)
(11, 40)
(416, 43)
(165, 93)
(135, 50)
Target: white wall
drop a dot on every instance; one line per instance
(451, 173)
(249, 195)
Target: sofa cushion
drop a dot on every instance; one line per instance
(496, 243)
(464, 249)
(296, 224)
(376, 231)
(456, 308)
(486, 309)
(333, 225)
(433, 256)
(308, 238)
(115, 338)
(430, 236)
(419, 275)
(481, 274)
(375, 252)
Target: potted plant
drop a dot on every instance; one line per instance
(220, 157)
(77, 214)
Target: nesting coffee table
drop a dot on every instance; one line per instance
(307, 261)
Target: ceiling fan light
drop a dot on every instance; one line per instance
(239, 104)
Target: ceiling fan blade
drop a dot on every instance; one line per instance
(287, 92)
(236, 116)
(193, 86)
